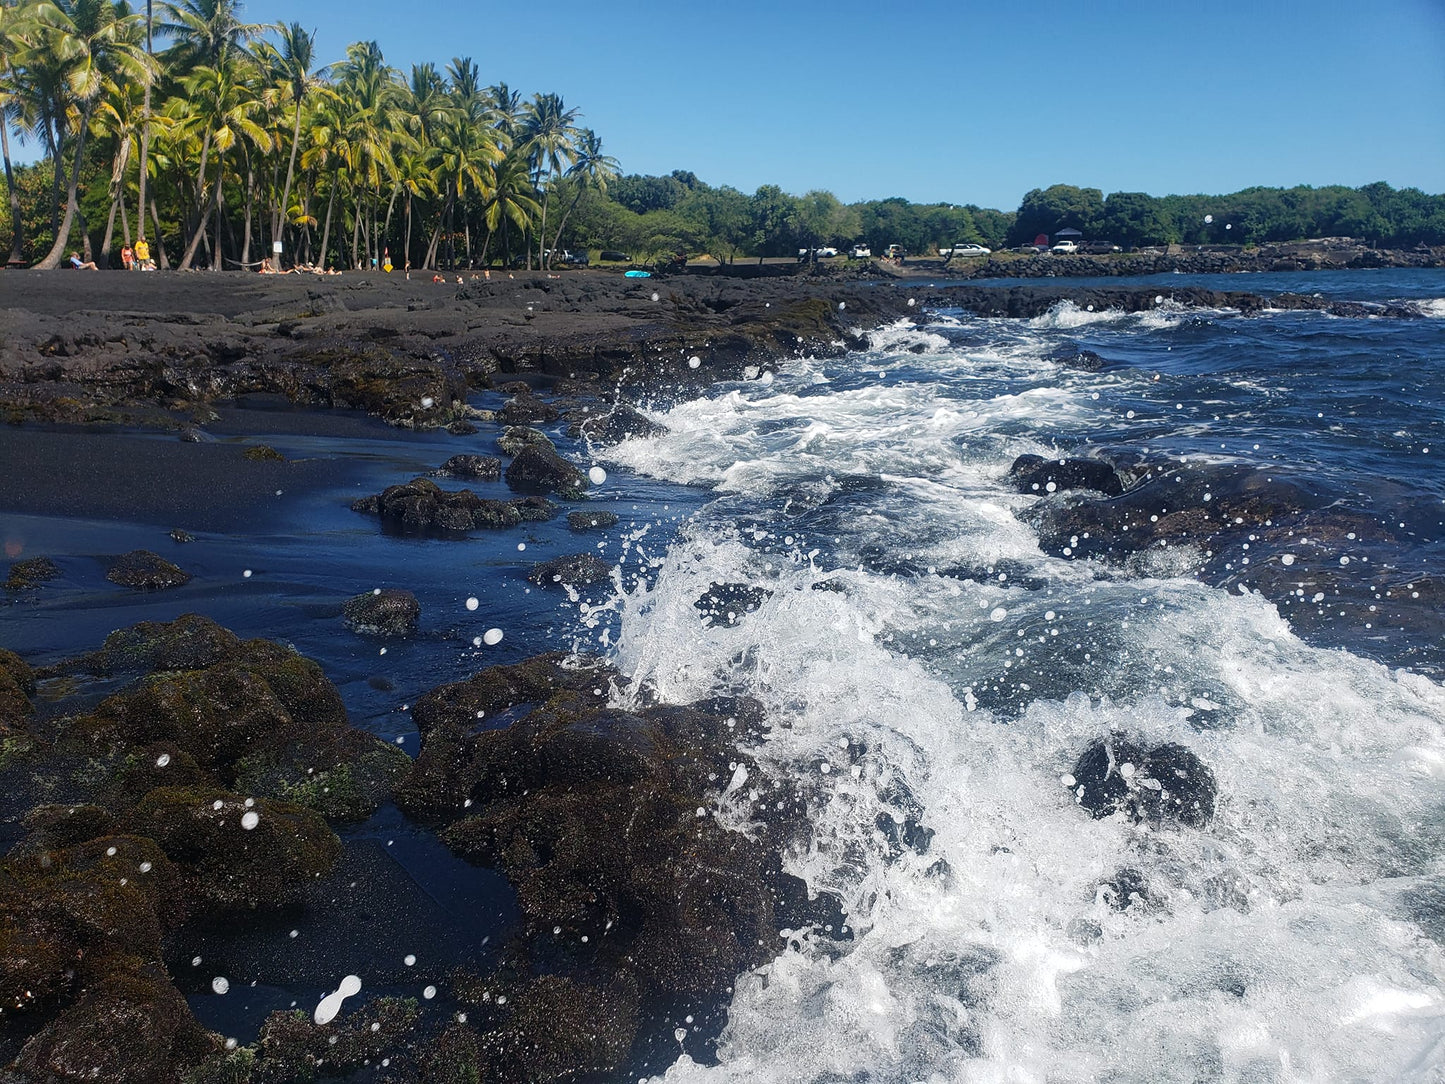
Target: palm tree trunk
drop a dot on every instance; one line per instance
(145, 136)
(326, 231)
(280, 216)
(250, 207)
(557, 238)
(109, 231)
(17, 224)
(72, 203)
(161, 261)
(204, 222)
(406, 249)
(124, 221)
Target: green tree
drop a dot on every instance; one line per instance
(1055, 208)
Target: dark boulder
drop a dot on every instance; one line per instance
(525, 410)
(573, 570)
(31, 572)
(538, 470)
(1163, 783)
(516, 437)
(1083, 360)
(1035, 474)
(481, 468)
(386, 611)
(143, 570)
(423, 507)
(620, 423)
(727, 603)
(591, 521)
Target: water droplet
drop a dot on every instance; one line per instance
(597, 476)
(521, 546)
(654, 296)
(842, 304)
(694, 362)
(409, 960)
(473, 602)
(250, 819)
(492, 637)
(997, 614)
(429, 993)
(247, 574)
(330, 1005)
(1208, 219)
(1287, 559)
(426, 402)
(163, 760)
(220, 984)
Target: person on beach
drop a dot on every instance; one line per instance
(82, 265)
(143, 255)
(127, 258)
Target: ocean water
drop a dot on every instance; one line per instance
(932, 673)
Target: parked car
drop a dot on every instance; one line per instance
(894, 252)
(1065, 248)
(860, 252)
(961, 250)
(615, 257)
(577, 259)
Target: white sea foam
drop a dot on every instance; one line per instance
(1432, 306)
(1282, 942)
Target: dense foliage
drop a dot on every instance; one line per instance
(216, 139)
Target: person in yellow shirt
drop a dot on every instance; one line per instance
(143, 255)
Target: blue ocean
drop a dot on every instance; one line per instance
(929, 656)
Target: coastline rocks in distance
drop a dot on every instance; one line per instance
(1035, 474)
(1163, 783)
(539, 470)
(573, 570)
(142, 570)
(591, 521)
(423, 507)
(388, 611)
(480, 468)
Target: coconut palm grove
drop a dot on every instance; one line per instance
(215, 140)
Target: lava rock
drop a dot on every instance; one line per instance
(178, 535)
(143, 570)
(590, 521)
(264, 453)
(1035, 474)
(482, 468)
(1165, 783)
(385, 612)
(524, 409)
(516, 437)
(31, 572)
(573, 570)
(620, 423)
(423, 507)
(726, 603)
(538, 470)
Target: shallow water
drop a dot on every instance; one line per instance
(932, 674)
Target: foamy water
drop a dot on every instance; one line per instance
(931, 676)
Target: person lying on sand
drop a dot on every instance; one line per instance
(82, 265)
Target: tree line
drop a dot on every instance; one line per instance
(217, 139)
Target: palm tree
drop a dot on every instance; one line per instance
(291, 66)
(12, 22)
(591, 169)
(547, 135)
(145, 136)
(467, 147)
(91, 39)
(206, 31)
(513, 201)
(220, 104)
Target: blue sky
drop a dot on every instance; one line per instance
(957, 101)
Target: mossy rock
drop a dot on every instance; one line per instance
(229, 860)
(561, 1029)
(263, 453)
(349, 790)
(190, 642)
(142, 570)
(591, 521)
(516, 437)
(17, 686)
(31, 572)
(131, 1026)
(293, 1047)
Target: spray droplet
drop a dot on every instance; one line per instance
(694, 362)
(246, 574)
(331, 1004)
(473, 602)
(492, 637)
(997, 614)
(597, 476)
(429, 993)
(250, 819)
(163, 760)
(409, 960)
(220, 984)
